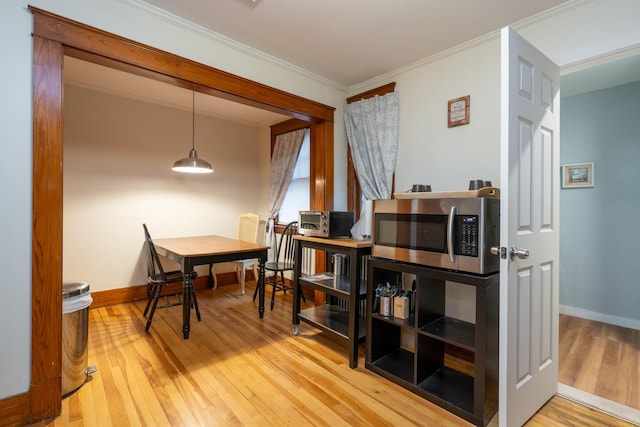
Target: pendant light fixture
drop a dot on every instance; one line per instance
(192, 164)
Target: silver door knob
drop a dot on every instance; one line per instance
(520, 253)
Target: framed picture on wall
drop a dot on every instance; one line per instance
(578, 175)
(458, 111)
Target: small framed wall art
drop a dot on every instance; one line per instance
(578, 175)
(458, 111)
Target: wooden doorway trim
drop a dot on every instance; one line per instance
(53, 38)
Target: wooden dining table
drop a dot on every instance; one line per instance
(203, 250)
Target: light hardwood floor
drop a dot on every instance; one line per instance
(238, 370)
(600, 359)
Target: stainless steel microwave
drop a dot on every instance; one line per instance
(325, 223)
(450, 233)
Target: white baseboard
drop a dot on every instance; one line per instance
(600, 317)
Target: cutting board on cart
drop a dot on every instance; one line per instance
(491, 192)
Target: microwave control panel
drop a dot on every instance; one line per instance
(467, 235)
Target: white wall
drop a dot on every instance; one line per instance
(582, 31)
(446, 158)
(15, 190)
(117, 175)
(429, 152)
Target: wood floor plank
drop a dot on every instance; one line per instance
(238, 370)
(607, 384)
(628, 376)
(563, 412)
(571, 350)
(601, 359)
(589, 358)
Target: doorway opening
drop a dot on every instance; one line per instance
(599, 334)
(53, 38)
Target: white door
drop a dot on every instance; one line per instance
(529, 235)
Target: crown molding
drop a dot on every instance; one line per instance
(463, 46)
(603, 53)
(191, 26)
(574, 61)
(386, 77)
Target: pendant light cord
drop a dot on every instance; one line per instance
(192, 164)
(193, 120)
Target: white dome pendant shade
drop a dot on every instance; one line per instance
(192, 164)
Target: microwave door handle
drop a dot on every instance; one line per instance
(452, 215)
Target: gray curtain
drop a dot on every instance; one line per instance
(372, 131)
(283, 161)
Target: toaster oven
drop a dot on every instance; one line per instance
(325, 223)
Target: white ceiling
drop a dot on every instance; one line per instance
(352, 41)
(109, 80)
(345, 41)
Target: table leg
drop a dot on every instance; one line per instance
(295, 321)
(186, 301)
(354, 309)
(261, 263)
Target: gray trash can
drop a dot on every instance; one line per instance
(76, 300)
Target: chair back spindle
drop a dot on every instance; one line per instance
(286, 248)
(285, 261)
(154, 266)
(156, 281)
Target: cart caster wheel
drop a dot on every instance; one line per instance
(296, 329)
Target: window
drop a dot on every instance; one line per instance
(298, 197)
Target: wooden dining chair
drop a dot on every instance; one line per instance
(157, 279)
(285, 261)
(247, 232)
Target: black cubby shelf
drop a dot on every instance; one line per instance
(398, 363)
(452, 331)
(451, 386)
(395, 320)
(411, 352)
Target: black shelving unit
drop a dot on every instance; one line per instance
(420, 365)
(341, 314)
